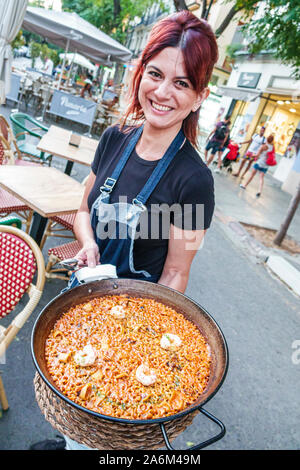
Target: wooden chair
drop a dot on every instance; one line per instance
(58, 254)
(9, 143)
(8, 203)
(20, 259)
(57, 225)
(12, 155)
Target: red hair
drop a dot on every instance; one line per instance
(197, 42)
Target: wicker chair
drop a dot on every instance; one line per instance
(22, 125)
(20, 259)
(11, 220)
(57, 225)
(10, 147)
(8, 202)
(58, 254)
(12, 154)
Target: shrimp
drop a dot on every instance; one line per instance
(145, 375)
(85, 357)
(117, 312)
(170, 342)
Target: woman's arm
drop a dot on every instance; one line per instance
(211, 133)
(89, 253)
(183, 245)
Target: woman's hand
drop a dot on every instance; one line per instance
(88, 255)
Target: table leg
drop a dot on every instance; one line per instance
(69, 167)
(38, 227)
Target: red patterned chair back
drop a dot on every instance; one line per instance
(20, 259)
(17, 268)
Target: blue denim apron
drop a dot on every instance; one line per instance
(122, 218)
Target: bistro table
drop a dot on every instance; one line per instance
(56, 141)
(47, 191)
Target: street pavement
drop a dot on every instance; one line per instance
(258, 314)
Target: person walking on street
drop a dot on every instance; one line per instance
(217, 143)
(260, 166)
(256, 141)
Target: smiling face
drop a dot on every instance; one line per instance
(166, 94)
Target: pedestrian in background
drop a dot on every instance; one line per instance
(217, 143)
(256, 141)
(87, 89)
(260, 166)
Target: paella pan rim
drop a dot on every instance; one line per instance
(116, 282)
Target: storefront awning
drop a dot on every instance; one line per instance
(241, 94)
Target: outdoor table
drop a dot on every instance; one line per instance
(56, 142)
(47, 191)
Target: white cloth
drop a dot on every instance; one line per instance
(48, 67)
(11, 17)
(256, 142)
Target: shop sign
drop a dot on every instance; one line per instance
(73, 108)
(248, 80)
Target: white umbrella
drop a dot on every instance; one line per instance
(79, 60)
(74, 34)
(11, 17)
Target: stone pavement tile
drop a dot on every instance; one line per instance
(267, 211)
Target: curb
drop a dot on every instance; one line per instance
(284, 270)
(242, 238)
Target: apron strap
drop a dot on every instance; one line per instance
(110, 182)
(155, 176)
(159, 170)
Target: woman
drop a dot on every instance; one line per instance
(169, 86)
(260, 166)
(146, 178)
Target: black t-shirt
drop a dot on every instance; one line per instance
(184, 196)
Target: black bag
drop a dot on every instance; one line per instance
(221, 132)
(227, 141)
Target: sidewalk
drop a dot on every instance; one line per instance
(236, 206)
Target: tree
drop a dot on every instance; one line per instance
(237, 6)
(35, 52)
(111, 16)
(276, 29)
(37, 3)
(294, 203)
(18, 41)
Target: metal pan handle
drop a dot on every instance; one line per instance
(202, 444)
